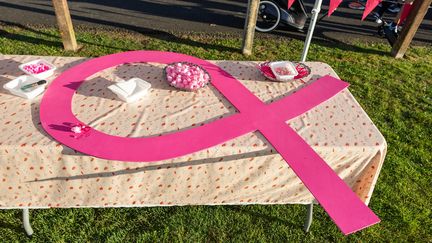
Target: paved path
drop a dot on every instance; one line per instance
(197, 15)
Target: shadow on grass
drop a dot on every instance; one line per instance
(269, 218)
(13, 227)
(161, 35)
(319, 38)
(41, 40)
(29, 39)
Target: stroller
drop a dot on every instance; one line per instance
(272, 13)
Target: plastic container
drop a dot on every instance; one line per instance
(42, 75)
(131, 90)
(284, 71)
(15, 85)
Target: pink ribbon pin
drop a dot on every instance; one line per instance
(348, 212)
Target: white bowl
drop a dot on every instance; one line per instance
(42, 75)
(131, 90)
(289, 66)
(15, 85)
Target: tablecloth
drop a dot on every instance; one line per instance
(38, 172)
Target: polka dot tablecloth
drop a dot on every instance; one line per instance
(38, 172)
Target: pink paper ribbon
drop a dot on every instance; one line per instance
(344, 207)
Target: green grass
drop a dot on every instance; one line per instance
(395, 93)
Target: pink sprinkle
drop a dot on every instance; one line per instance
(36, 68)
(282, 71)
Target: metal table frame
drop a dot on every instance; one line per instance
(29, 230)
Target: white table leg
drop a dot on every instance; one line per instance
(26, 221)
(309, 216)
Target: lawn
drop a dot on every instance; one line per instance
(397, 95)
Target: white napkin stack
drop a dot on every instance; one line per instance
(131, 90)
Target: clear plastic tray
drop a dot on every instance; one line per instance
(288, 67)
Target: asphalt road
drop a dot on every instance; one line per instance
(158, 16)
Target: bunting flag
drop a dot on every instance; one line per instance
(406, 9)
(290, 2)
(333, 6)
(370, 5)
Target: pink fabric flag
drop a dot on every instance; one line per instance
(406, 9)
(370, 5)
(290, 2)
(333, 6)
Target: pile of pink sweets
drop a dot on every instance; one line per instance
(188, 76)
(36, 68)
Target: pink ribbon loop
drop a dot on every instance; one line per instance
(343, 206)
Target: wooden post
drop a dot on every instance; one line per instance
(64, 23)
(413, 21)
(249, 28)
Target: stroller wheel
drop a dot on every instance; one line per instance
(268, 16)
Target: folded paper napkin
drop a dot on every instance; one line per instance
(131, 90)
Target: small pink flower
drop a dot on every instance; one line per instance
(76, 129)
(80, 128)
